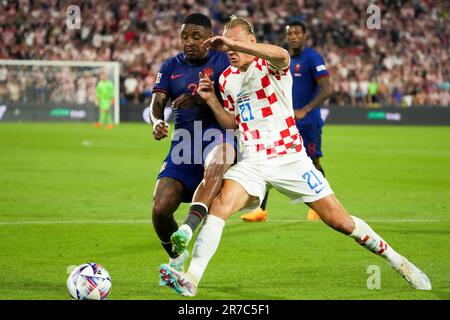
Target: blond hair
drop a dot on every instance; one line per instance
(241, 22)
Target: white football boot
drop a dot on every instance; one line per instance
(416, 278)
(181, 282)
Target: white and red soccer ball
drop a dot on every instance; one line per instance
(89, 281)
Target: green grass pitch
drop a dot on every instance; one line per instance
(72, 194)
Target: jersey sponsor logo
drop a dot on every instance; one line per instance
(321, 68)
(297, 70)
(209, 72)
(174, 76)
(158, 78)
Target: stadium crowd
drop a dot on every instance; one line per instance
(405, 63)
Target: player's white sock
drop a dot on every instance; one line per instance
(205, 246)
(186, 228)
(365, 236)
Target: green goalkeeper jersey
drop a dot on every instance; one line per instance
(105, 93)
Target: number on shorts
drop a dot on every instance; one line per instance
(313, 181)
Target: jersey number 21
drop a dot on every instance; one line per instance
(245, 110)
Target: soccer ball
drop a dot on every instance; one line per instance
(89, 281)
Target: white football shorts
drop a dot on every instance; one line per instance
(292, 174)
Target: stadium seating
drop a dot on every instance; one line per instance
(405, 63)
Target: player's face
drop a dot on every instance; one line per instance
(239, 59)
(192, 37)
(295, 37)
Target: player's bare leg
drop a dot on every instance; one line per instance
(232, 198)
(259, 214)
(166, 199)
(219, 160)
(334, 215)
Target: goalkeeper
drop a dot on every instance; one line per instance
(104, 94)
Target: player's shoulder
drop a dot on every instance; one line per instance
(227, 72)
(179, 58)
(223, 77)
(174, 60)
(219, 60)
(311, 52)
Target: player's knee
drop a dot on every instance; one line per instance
(162, 207)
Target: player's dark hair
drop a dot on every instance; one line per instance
(297, 23)
(199, 20)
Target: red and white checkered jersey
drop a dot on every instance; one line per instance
(261, 99)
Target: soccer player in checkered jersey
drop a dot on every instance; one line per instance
(256, 90)
(311, 88)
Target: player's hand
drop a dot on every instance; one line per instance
(187, 100)
(160, 130)
(220, 43)
(206, 87)
(300, 113)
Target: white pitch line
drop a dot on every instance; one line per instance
(50, 222)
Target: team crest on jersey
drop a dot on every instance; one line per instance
(209, 72)
(297, 70)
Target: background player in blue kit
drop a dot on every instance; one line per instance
(194, 181)
(311, 87)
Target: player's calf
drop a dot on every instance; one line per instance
(334, 215)
(166, 200)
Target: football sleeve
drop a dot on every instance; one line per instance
(162, 83)
(317, 66)
(273, 70)
(228, 102)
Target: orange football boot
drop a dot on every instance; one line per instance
(312, 215)
(258, 215)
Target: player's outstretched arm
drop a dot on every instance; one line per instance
(157, 105)
(277, 56)
(206, 91)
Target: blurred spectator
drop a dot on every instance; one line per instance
(13, 89)
(406, 63)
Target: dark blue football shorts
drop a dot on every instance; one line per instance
(312, 139)
(186, 158)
